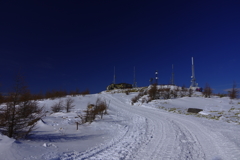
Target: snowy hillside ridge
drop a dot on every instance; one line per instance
(224, 109)
(139, 131)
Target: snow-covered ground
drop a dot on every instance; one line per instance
(160, 129)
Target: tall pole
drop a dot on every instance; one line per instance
(114, 77)
(172, 76)
(156, 74)
(134, 78)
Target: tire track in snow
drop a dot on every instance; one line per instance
(136, 132)
(223, 148)
(150, 133)
(173, 141)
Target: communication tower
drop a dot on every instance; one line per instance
(193, 79)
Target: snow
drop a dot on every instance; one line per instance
(160, 129)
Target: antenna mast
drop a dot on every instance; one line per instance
(134, 78)
(172, 75)
(114, 77)
(193, 81)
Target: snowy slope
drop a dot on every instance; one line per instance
(140, 131)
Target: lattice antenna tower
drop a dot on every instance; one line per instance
(193, 79)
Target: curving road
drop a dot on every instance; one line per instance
(148, 133)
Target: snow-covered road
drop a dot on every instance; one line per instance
(149, 133)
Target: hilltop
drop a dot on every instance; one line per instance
(155, 129)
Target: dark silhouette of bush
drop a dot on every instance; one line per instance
(152, 92)
(58, 106)
(137, 97)
(207, 91)
(183, 91)
(55, 94)
(69, 104)
(100, 108)
(190, 92)
(2, 99)
(233, 93)
(86, 92)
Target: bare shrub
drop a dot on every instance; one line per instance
(38, 96)
(222, 95)
(69, 104)
(183, 91)
(190, 92)
(100, 108)
(174, 93)
(152, 92)
(207, 91)
(58, 106)
(137, 97)
(233, 93)
(75, 93)
(166, 93)
(55, 94)
(86, 92)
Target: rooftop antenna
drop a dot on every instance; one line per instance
(134, 78)
(172, 80)
(114, 77)
(193, 81)
(156, 75)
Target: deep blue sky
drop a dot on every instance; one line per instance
(70, 44)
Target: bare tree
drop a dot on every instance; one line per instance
(20, 114)
(207, 91)
(69, 104)
(58, 106)
(233, 93)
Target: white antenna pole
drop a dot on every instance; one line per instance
(193, 84)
